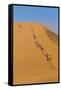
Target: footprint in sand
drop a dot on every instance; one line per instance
(47, 56)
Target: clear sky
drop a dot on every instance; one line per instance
(44, 15)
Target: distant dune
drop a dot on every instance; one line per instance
(35, 53)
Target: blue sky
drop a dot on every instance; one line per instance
(44, 15)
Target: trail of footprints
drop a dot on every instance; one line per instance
(47, 56)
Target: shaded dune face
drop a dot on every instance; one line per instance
(52, 35)
(35, 52)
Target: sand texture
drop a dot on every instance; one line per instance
(35, 54)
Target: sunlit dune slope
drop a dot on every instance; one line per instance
(35, 53)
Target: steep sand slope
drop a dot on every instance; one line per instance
(35, 54)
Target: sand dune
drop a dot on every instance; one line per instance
(35, 54)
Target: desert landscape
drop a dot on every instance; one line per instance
(35, 53)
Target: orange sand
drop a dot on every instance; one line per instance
(30, 62)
